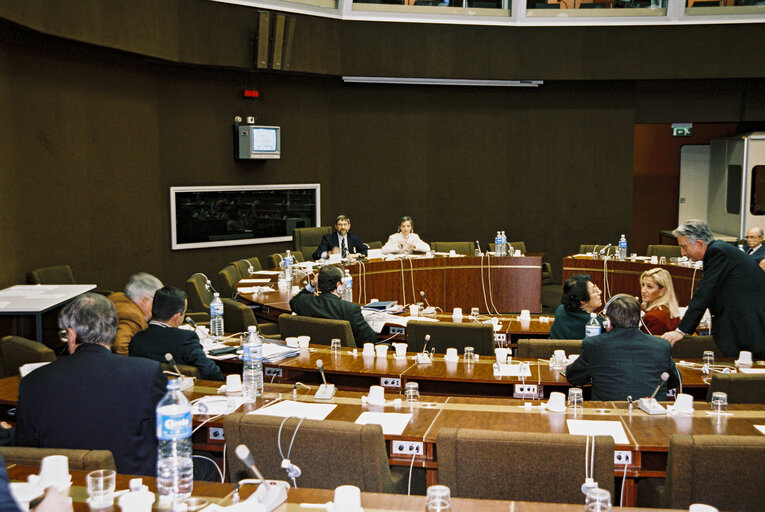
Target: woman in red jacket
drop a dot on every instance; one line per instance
(659, 302)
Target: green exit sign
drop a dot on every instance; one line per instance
(681, 129)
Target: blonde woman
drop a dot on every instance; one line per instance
(405, 241)
(659, 302)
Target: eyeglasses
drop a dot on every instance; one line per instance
(63, 336)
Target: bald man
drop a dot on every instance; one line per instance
(754, 238)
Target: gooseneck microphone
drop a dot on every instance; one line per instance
(604, 249)
(325, 391)
(664, 377)
(427, 340)
(320, 366)
(169, 359)
(246, 457)
(650, 405)
(422, 294)
(191, 322)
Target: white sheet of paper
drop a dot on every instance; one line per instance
(3, 304)
(512, 370)
(761, 428)
(752, 370)
(255, 281)
(392, 423)
(266, 273)
(217, 405)
(50, 296)
(598, 428)
(287, 408)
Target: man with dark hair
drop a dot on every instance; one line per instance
(328, 303)
(623, 361)
(580, 298)
(163, 335)
(341, 241)
(732, 287)
(93, 399)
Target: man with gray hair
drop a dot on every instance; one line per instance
(133, 308)
(732, 287)
(93, 399)
(623, 361)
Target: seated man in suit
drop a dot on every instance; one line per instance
(624, 361)
(328, 304)
(754, 238)
(133, 308)
(93, 399)
(163, 335)
(341, 241)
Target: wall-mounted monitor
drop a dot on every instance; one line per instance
(241, 215)
(257, 142)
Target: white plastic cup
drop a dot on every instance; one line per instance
(501, 354)
(457, 313)
(347, 499)
(525, 313)
(54, 470)
(414, 310)
(557, 402)
(381, 350)
(400, 349)
(744, 357)
(292, 342)
(376, 395)
(451, 354)
(233, 383)
(369, 349)
(684, 403)
(304, 341)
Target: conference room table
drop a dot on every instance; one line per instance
(221, 493)
(646, 437)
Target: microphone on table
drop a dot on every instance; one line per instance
(246, 457)
(650, 405)
(427, 340)
(604, 249)
(664, 377)
(428, 310)
(325, 391)
(185, 381)
(478, 246)
(191, 322)
(270, 495)
(171, 361)
(423, 357)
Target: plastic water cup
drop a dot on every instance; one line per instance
(54, 470)
(233, 383)
(451, 354)
(663, 260)
(556, 403)
(400, 349)
(334, 345)
(474, 312)
(439, 498)
(469, 354)
(597, 500)
(414, 310)
(369, 349)
(575, 400)
(684, 403)
(101, 483)
(719, 402)
(376, 395)
(347, 499)
(412, 392)
(708, 357)
(457, 313)
(502, 354)
(381, 350)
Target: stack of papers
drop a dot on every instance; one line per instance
(273, 352)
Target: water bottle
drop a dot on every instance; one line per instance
(252, 370)
(623, 248)
(216, 316)
(498, 244)
(593, 326)
(175, 468)
(507, 249)
(348, 286)
(288, 261)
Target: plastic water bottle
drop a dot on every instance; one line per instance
(288, 262)
(252, 370)
(498, 244)
(593, 326)
(623, 248)
(175, 468)
(348, 286)
(216, 316)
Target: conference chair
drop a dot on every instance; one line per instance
(276, 258)
(243, 266)
(544, 349)
(445, 335)
(237, 317)
(668, 251)
(547, 274)
(225, 281)
(517, 246)
(82, 460)
(329, 453)
(742, 388)
(17, 351)
(307, 240)
(693, 347)
(321, 330)
(57, 274)
(199, 296)
(523, 466)
(467, 248)
(724, 471)
(374, 245)
(588, 248)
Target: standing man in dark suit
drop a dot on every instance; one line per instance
(341, 241)
(624, 361)
(163, 335)
(328, 304)
(754, 238)
(732, 287)
(93, 399)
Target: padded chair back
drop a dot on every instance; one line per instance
(276, 258)
(329, 453)
(445, 335)
(307, 240)
(237, 317)
(467, 248)
(17, 351)
(723, 471)
(544, 467)
(321, 330)
(587, 248)
(83, 460)
(199, 296)
(225, 281)
(544, 349)
(57, 274)
(693, 347)
(185, 369)
(517, 246)
(243, 266)
(742, 388)
(668, 251)
(375, 245)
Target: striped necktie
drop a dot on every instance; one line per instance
(343, 248)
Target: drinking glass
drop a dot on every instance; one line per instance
(334, 345)
(719, 402)
(412, 392)
(474, 312)
(469, 354)
(575, 400)
(597, 500)
(101, 485)
(708, 357)
(439, 498)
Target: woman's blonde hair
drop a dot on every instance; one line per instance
(663, 279)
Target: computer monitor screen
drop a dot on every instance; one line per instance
(257, 142)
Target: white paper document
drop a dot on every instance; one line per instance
(752, 370)
(761, 428)
(216, 405)
(598, 428)
(266, 273)
(392, 423)
(254, 281)
(288, 408)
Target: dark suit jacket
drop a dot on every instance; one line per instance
(733, 288)
(759, 253)
(329, 305)
(94, 400)
(623, 362)
(331, 240)
(156, 341)
(7, 503)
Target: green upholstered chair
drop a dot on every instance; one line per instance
(517, 246)
(185, 369)
(742, 388)
(225, 281)
(243, 266)
(17, 351)
(307, 240)
(321, 330)
(329, 453)
(467, 248)
(588, 248)
(544, 349)
(82, 460)
(445, 335)
(374, 245)
(237, 317)
(547, 273)
(199, 295)
(693, 347)
(668, 251)
(276, 258)
(57, 274)
(523, 466)
(726, 472)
